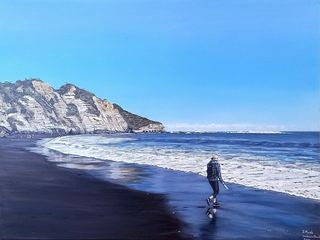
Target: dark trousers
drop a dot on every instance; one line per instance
(215, 187)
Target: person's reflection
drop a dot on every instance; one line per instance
(211, 212)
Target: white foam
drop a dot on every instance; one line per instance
(295, 179)
(78, 166)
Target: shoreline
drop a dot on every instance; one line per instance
(178, 199)
(246, 212)
(271, 175)
(55, 152)
(40, 200)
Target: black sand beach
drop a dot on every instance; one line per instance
(41, 200)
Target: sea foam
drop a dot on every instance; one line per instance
(245, 169)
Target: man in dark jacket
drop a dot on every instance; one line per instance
(214, 177)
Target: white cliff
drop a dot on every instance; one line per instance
(34, 106)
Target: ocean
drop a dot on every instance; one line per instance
(287, 162)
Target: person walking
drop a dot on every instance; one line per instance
(214, 177)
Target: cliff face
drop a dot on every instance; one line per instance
(34, 106)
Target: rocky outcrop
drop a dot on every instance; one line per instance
(137, 123)
(34, 106)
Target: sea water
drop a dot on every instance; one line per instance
(287, 162)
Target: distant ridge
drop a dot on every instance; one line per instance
(240, 132)
(33, 106)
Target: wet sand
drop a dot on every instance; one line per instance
(245, 213)
(41, 201)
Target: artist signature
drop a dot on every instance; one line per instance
(310, 235)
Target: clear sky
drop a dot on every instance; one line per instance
(192, 64)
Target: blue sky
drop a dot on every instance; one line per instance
(205, 64)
